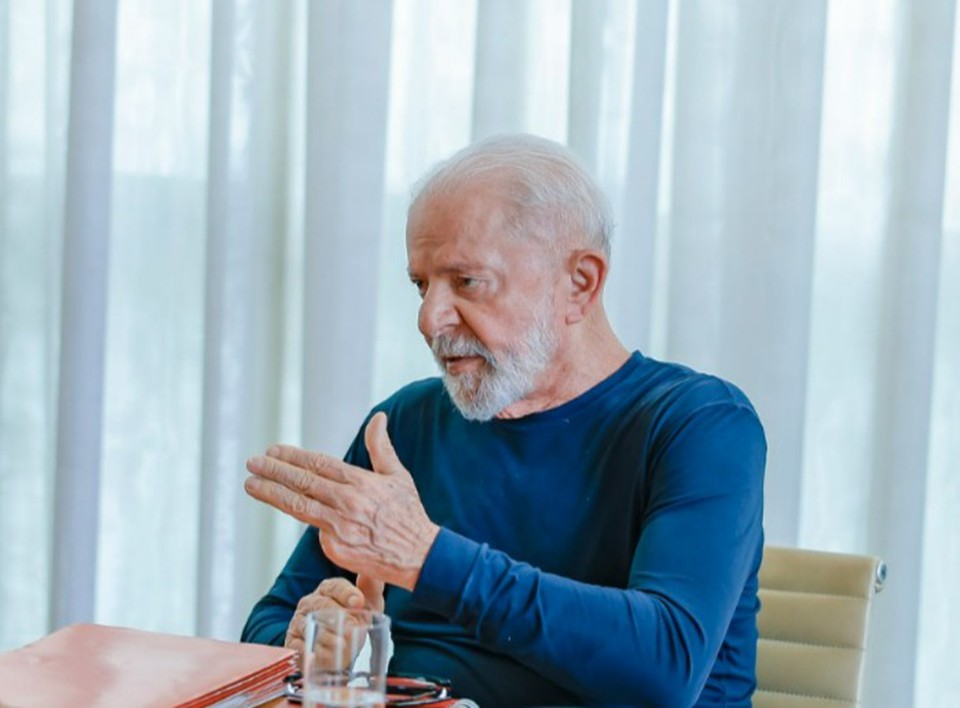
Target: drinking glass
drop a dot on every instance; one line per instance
(345, 655)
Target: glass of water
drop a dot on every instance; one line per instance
(345, 655)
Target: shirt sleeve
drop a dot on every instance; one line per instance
(655, 641)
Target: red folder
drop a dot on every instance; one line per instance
(94, 665)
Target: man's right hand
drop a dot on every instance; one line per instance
(334, 592)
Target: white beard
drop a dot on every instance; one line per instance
(503, 380)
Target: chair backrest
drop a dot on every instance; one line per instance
(814, 611)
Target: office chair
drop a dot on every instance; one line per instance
(815, 607)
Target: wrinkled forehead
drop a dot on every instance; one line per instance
(472, 232)
(462, 218)
(494, 188)
(491, 206)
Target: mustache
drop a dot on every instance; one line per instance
(445, 345)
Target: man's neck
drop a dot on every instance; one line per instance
(589, 358)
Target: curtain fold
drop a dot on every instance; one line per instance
(202, 213)
(500, 69)
(76, 495)
(630, 290)
(588, 23)
(742, 214)
(34, 142)
(348, 61)
(4, 94)
(244, 270)
(905, 345)
(936, 678)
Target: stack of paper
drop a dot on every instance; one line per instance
(93, 665)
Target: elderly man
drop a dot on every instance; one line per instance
(558, 520)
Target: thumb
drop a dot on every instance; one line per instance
(382, 455)
(372, 590)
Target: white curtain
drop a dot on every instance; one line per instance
(201, 252)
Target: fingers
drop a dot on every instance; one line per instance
(334, 645)
(332, 592)
(330, 649)
(292, 479)
(294, 643)
(298, 505)
(382, 455)
(316, 462)
(298, 468)
(372, 590)
(341, 591)
(372, 523)
(294, 489)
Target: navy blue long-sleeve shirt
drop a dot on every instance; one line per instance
(602, 552)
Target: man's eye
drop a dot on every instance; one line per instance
(467, 283)
(420, 286)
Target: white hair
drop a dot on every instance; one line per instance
(542, 180)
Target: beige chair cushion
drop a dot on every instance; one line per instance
(813, 627)
(770, 699)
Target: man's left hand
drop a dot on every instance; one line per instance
(371, 524)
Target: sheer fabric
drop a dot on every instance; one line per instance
(201, 252)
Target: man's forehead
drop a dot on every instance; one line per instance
(462, 196)
(476, 214)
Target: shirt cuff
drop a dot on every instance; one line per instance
(445, 572)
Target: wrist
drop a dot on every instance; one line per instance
(426, 540)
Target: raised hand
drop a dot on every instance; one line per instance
(372, 524)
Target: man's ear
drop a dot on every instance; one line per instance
(587, 272)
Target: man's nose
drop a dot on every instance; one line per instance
(437, 312)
